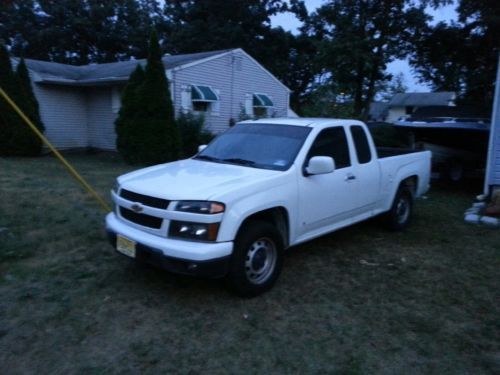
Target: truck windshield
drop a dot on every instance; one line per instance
(265, 146)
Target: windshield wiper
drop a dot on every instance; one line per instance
(208, 158)
(239, 161)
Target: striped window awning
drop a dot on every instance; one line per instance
(262, 100)
(203, 94)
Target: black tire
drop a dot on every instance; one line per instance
(454, 172)
(399, 216)
(257, 259)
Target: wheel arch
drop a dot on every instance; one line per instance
(410, 182)
(277, 216)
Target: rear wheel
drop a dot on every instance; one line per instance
(398, 217)
(257, 259)
(454, 172)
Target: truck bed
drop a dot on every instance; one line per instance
(385, 152)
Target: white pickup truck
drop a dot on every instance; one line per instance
(257, 189)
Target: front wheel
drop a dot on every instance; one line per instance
(398, 217)
(257, 259)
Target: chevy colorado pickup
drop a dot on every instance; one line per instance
(257, 189)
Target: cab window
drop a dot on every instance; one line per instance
(332, 142)
(363, 151)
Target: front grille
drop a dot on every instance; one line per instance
(141, 219)
(144, 199)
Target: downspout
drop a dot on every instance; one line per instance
(232, 89)
(493, 129)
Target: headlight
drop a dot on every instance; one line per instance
(193, 231)
(200, 207)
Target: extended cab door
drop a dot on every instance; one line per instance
(327, 199)
(366, 168)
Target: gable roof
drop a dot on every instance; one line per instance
(96, 74)
(420, 99)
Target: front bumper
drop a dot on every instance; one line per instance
(185, 257)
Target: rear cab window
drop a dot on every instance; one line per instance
(360, 139)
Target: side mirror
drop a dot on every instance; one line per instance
(201, 148)
(320, 165)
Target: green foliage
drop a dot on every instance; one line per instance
(192, 133)
(324, 101)
(462, 56)
(147, 132)
(358, 38)
(395, 86)
(17, 138)
(78, 31)
(127, 129)
(7, 117)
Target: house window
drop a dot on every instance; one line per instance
(258, 105)
(115, 99)
(260, 112)
(202, 99)
(200, 106)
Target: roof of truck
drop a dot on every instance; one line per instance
(303, 121)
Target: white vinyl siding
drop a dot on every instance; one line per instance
(248, 77)
(493, 160)
(101, 117)
(64, 113)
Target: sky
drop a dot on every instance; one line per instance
(289, 22)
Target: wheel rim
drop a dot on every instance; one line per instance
(260, 260)
(402, 210)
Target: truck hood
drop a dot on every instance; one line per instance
(192, 179)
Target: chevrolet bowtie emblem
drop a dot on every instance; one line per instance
(137, 207)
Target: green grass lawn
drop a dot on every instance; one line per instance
(360, 301)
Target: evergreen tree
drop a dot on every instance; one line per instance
(126, 143)
(17, 139)
(147, 130)
(7, 116)
(24, 141)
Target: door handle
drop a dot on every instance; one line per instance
(350, 177)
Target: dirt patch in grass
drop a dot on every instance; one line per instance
(361, 300)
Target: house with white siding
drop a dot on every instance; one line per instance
(492, 177)
(79, 104)
(403, 105)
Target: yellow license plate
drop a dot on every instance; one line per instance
(125, 246)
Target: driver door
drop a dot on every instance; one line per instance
(327, 199)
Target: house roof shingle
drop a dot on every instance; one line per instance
(95, 74)
(420, 99)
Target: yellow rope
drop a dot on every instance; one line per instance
(72, 170)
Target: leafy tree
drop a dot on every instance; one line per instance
(395, 86)
(78, 31)
(358, 38)
(462, 56)
(148, 132)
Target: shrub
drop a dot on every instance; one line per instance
(192, 133)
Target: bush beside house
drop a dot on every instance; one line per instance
(17, 138)
(192, 133)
